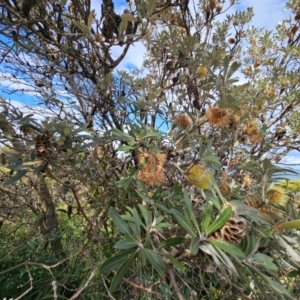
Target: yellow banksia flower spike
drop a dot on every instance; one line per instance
(202, 71)
(199, 177)
(277, 195)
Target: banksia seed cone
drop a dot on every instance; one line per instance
(183, 121)
(233, 231)
(199, 177)
(152, 173)
(43, 146)
(217, 116)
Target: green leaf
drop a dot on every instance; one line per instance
(289, 225)
(264, 261)
(119, 222)
(181, 219)
(137, 223)
(121, 136)
(207, 216)
(90, 19)
(126, 148)
(83, 27)
(114, 262)
(124, 182)
(229, 248)
(220, 221)
(129, 17)
(175, 261)
(15, 178)
(213, 199)
(195, 245)
(172, 242)
(146, 215)
(151, 135)
(190, 209)
(156, 261)
(31, 163)
(210, 250)
(151, 7)
(233, 68)
(225, 65)
(226, 261)
(245, 210)
(125, 244)
(276, 286)
(122, 271)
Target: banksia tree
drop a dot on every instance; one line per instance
(154, 179)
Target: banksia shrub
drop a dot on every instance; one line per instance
(233, 231)
(152, 172)
(183, 121)
(199, 177)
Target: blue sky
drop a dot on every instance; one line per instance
(268, 13)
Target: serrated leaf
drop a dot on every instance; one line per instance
(172, 242)
(181, 219)
(15, 178)
(114, 262)
(229, 248)
(125, 244)
(220, 221)
(122, 271)
(119, 222)
(156, 261)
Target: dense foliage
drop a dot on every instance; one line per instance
(158, 182)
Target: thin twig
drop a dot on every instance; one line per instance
(174, 283)
(84, 286)
(30, 288)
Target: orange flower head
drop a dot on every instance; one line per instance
(183, 121)
(217, 116)
(253, 133)
(152, 172)
(247, 180)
